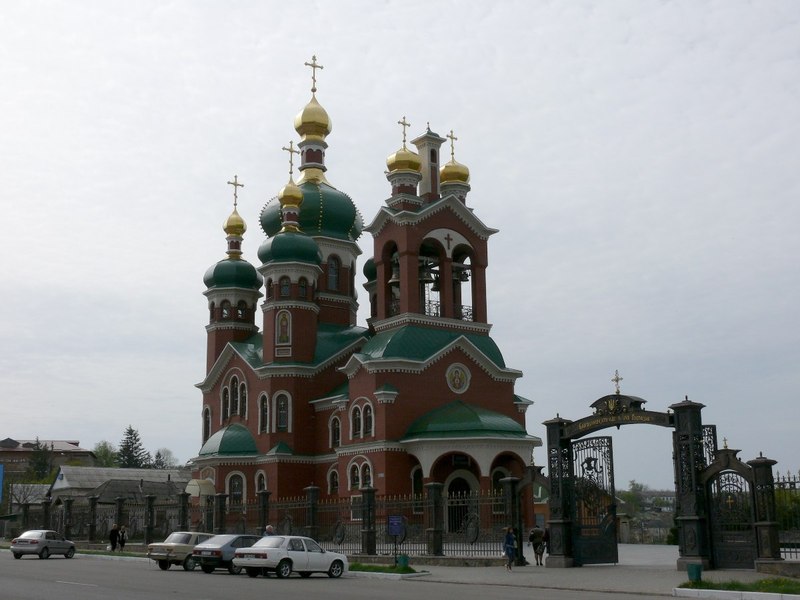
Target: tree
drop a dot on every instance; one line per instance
(634, 497)
(131, 454)
(164, 459)
(41, 463)
(105, 454)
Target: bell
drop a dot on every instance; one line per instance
(426, 276)
(395, 280)
(435, 286)
(464, 275)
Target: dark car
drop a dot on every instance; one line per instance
(217, 552)
(43, 543)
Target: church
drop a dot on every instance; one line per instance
(419, 394)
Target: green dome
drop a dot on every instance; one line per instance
(325, 211)
(370, 270)
(234, 440)
(289, 247)
(233, 272)
(458, 419)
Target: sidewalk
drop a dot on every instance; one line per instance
(642, 569)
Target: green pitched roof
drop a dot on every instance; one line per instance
(233, 440)
(459, 419)
(281, 448)
(420, 343)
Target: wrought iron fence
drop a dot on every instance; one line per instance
(787, 510)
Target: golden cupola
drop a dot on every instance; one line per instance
(313, 122)
(453, 171)
(234, 224)
(404, 160)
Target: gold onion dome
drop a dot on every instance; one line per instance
(454, 172)
(290, 194)
(404, 159)
(313, 121)
(235, 225)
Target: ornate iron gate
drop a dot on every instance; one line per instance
(731, 519)
(594, 522)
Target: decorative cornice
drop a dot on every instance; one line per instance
(277, 305)
(370, 448)
(231, 325)
(404, 319)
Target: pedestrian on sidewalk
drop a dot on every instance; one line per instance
(113, 537)
(536, 540)
(509, 547)
(123, 537)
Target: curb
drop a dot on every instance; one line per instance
(377, 575)
(729, 595)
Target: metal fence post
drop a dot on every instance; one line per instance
(435, 517)
(368, 521)
(766, 524)
(150, 517)
(263, 510)
(26, 507)
(92, 518)
(312, 502)
(119, 515)
(219, 509)
(68, 517)
(183, 510)
(209, 515)
(46, 503)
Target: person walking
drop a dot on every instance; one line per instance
(123, 537)
(536, 539)
(509, 547)
(113, 537)
(269, 530)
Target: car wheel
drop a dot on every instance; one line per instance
(305, 574)
(189, 563)
(207, 568)
(45, 553)
(163, 565)
(17, 555)
(70, 553)
(252, 571)
(336, 570)
(233, 569)
(284, 569)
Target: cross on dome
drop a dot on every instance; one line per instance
(402, 122)
(291, 151)
(452, 139)
(314, 66)
(235, 183)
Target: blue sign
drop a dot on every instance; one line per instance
(395, 525)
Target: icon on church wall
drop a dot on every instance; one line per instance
(458, 377)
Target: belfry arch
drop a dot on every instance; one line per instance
(582, 499)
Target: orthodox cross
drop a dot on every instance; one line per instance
(291, 151)
(452, 139)
(725, 443)
(448, 238)
(404, 124)
(235, 183)
(314, 66)
(616, 379)
(730, 501)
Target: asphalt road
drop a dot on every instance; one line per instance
(101, 578)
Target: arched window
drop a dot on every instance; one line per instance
(367, 420)
(354, 478)
(263, 414)
(366, 475)
(261, 482)
(270, 291)
(336, 433)
(302, 288)
(236, 489)
(241, 310)
(286, 287)
(283, 327)
(206, 423)
(333, 482)
(226, 406)
(333, 273)
(355, 423)
(226, 309)
(282, 413)
(234, 396)
(243, 400)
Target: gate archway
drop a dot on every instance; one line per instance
(582, 496)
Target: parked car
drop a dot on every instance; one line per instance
(217, 552)
(286, 553)
(43, 543)
(177, 549)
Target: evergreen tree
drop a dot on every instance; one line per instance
(158, 461)
(164, 459)
(105, 454)
(41, 462)
(131, 454)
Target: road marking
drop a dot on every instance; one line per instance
(76, 583)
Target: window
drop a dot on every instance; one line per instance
(302, 288)
(241, 309)
(333, 273)
(336, 433)
(243, 399)
(225, 404)
(367, 420)
(366, 475)
(206, 424)
(263, 414)
(261, 482)
(236, 489)
(282, 409)
(286, 287)
(270, 291)
(333, 483)
(226, 309)
(234, 396)
(211, 309)
(356, 422)
(354, 478)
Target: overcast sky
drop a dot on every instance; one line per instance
(641, 160)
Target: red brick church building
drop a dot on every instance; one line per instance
(420, 393)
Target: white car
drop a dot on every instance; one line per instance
(286, 553)
(43, 543)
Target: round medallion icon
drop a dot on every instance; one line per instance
(458, 377)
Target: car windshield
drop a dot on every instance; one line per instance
(220, 540)
(33, 535)
(178, 538)
(272, 541)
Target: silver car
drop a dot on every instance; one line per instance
(43, 543)
(283, 554)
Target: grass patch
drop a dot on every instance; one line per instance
(381, 568)
(775, 585)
